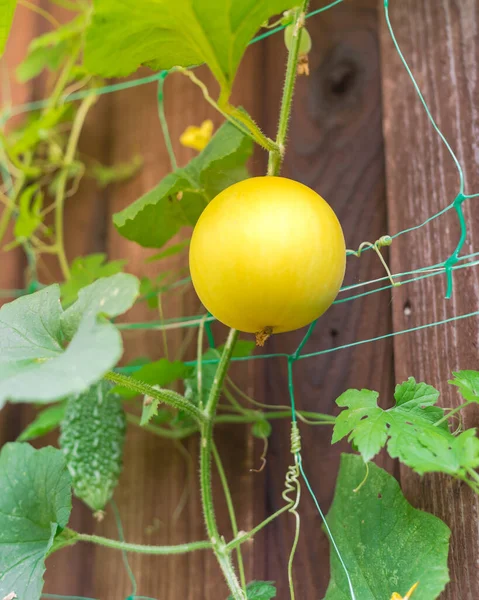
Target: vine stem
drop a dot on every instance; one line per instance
(143, 549)
(451, 413)
(247, 536)
(164, 396)
(40, 11)
(178, 434)
(10, 207)
(231, 511)
(164, 123)
(276, 158)
(63, 78)
(276, 152)
(78, 123)
(240, 120)
(206, 450)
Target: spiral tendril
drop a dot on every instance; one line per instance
(292, 486)
(385, 240)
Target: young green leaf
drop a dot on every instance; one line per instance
(85, 270)
(161, 373)
(386, 543)
(468, 384)
(29, 215)
(7, 10)
(47, 420)
(38, 59)
(105, 175)
(259, 590)
(408, 429)
(39, 128)
(47, 51)
(171, 251)
(179, 199)
(70, 31)
(35, 504)
(34, 363)
(151, 408)
(242, 348)
(208, 372)
(164, 34)
(92, 439)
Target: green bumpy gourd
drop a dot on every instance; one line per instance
(92, 439)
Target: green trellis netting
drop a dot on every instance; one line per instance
(347, 294)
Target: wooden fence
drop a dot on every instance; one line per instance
(360, 138)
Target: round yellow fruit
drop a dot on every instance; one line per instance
(267, 255)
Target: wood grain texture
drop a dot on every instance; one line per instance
(439, 40)
(336, 147)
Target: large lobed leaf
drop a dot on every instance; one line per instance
(179, 199)
(408, 428)
(166, 33)
(35, 504)
(35, 365)
(386, 544)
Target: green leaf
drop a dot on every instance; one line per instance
(47, 420)
(68, 32)
(149, 410)
(468, 384)
(164, 34)
(428, 452)
(105, 175)
(171, 251)
(47, 51)
(34, 363)
(369, 426)
(110, 296)
(208, 372)
(38, 129)
(29, 216)
(242, 348)
(261, 429)
(7, 10)
(386, 544)
(179, 199)
(85, 270)
(161, 373)
(363, 421)
(259, 590)
(35, 504)
(408, 428)
(38, 59)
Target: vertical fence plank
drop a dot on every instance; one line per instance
(336, 147)
(439, 40)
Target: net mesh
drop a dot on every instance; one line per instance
(452, 263)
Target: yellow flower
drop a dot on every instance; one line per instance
(197, 137)
(397, 596)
